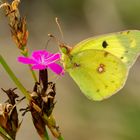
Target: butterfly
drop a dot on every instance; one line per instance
(100, 65)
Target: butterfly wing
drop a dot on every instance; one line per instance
(98, 73)
(125, 45)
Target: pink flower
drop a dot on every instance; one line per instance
(42, 59)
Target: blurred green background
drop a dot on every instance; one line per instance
(117, 118)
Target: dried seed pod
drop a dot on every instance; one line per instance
(17, 25)
(8, 114)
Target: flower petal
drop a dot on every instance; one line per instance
(41, 59)
(53, 58)
(38, 67)
(56, 68)
(26, 60)
(39, 53)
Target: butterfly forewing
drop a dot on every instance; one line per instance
(124, 45)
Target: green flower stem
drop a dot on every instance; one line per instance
(14, 78)
(60, 138)
(47, 120)
(46, 136)
(33, 73)
(4, 134)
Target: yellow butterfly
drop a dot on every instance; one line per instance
(100, 65)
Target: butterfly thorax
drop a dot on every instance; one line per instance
(67, 61)
(67, 57)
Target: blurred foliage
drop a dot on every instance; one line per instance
(69, 9)
(129, 12)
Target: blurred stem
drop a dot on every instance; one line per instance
(60, 138)
(4, 134)
(33, 73)
(14, 78)
(46, 137)
(30, 68)
(47, 120)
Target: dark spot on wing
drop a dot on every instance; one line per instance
(112, 81)
(126, 51)
(106, 54)
(104, 44)
(76, 65)
(106, 86)
(128, 32)
(122, 57)
(98, 90)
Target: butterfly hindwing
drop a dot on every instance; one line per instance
(98, 73)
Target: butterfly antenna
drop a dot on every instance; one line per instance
(59, 27)
(46, 45)
(60, 43)
(55, 38)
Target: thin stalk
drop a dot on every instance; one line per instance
(47, 120)
(60, 138)
(14, 78)
(33, 73)
(46, 136)
(4, 134)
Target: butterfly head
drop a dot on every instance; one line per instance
(65, 49)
